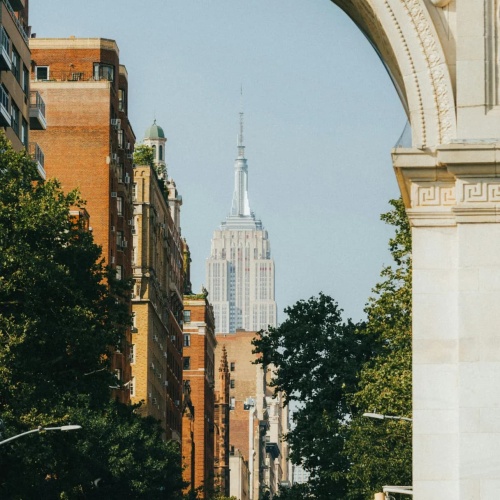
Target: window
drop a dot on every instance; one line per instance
(118, 374)
(232, 366)
(120, 139)
(132, 386)
(187, 363)
(134, 191)
(119, 172)
(24, 133)
(16, 64)
(26, 80)
(14, 112)
(104, 72)
(187, 316)
(119, 272)
(187, 340)
(231, 383)
(134, 322)
(122, 100)
(154, 151)
(161, 153)
(232, 403)
(42, 73)
(119, 205)
(120, 240)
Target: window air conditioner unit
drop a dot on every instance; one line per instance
(161, 347)
(114, 156)
(112, 260)
(177, 402)
(165, 354)
(128, 146)
(155, 338)
(124, 244)
(159, 375)
(114, 194)
(150, 395)
(166, 383)
(152, 365)
(113, 229)
(127, 179)
(130, 156)
(172, 338)
(116, 122)
(154, 401)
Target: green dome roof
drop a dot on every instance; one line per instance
(154, 132)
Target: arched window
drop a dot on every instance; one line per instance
(154, 151)
(161, 153)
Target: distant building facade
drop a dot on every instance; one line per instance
(88, 144)
(240, 270)
(158, 281)
(256, 423)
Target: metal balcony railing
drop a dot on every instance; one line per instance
(37, 111)
(37, 154)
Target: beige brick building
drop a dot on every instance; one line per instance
(88, 145)
(157, 301)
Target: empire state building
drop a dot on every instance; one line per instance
(240, 271)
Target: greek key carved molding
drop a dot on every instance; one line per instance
(433, 194)
(478, 191)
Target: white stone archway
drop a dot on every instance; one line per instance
(443, 57)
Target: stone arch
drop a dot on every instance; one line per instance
(404, 35)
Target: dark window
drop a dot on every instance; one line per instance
(119, 272)
(161, 153)
(187, 316)
(42, 73)
(187, 340)
(231, 383)
(187, 363)
(14, 112)
(16, 64)
(26, 80)
(104, 72)
(232, 365)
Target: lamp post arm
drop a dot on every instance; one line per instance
(398, 418)
(39, 429)
(21, 435)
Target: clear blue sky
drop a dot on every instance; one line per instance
(321, 117)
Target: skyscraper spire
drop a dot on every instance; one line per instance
(241, 206)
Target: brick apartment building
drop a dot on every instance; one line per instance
(20, 109)
(199, 379)
(88, 144)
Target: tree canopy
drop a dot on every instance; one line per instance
(61, 313)
(337, 370)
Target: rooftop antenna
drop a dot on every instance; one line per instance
(241, 148)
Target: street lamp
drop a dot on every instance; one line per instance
(379, 416)
(40, 429)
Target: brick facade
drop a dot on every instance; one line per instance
(88, 144)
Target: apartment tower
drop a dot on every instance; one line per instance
(158, 280)
(88, 144)
(20, 108)
(240, 271)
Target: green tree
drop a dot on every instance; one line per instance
(144, 155)
(60, 311)
(380, 452)
(315, 357)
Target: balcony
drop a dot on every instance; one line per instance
(5, 61)
(37, 111)
(37, 154)
(272, 449)
(17, 4)
(5, 118)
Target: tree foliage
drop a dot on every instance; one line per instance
(61, 312)
(315, 357)
(337, 370)
(380, 451)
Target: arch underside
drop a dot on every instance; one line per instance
(403, 35)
